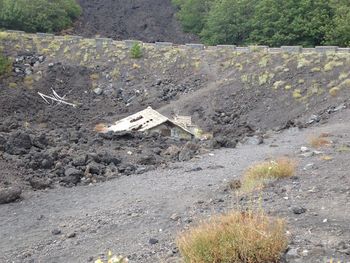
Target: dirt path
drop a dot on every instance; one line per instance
(126, 215)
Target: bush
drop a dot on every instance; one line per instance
(257, 175)
(38, 15)
(5, 64)
(267, 22)
(235, 237)
(136, 51)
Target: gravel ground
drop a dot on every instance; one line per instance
(129, 214)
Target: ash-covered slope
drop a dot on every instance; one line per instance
(146, 20)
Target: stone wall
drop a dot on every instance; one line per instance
(105, 42)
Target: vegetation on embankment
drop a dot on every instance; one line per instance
(4, 64)
(38, 15)
(267, 22)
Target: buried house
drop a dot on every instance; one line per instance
(149, 120)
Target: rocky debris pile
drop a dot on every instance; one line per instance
(77, 156)
(168, 89)
(25, 63)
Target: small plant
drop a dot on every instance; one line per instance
(5, 64)
(332, 64)
(94, 76)
(136, 51)
(235, 237)
(319, 141)
(101, 128)
(258, 175)
(278, 84)
(334, 91)
(297, 94)
(113, 259)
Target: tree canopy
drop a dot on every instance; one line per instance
(38, 15)
(267, 22)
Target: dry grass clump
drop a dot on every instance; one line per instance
(235, 237)
(258, 175)
(100, 127)
(334, 91)
(320, 141)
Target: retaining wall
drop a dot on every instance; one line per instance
(229, 48)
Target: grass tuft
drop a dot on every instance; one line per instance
(258, 175)
(334, 91)
(320, 141)
(235, 237)
(100, 127)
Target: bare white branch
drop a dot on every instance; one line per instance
(56, 98)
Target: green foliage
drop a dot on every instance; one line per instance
(192, 14)
(38, 15)
(229, 21)
(339, 32)
(267, 22)
(4, 64)
(136, 51)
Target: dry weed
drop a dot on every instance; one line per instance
(101, 127)
(235, 237)
(320, 141)
(258, 175)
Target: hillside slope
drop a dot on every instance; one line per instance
(146, 20)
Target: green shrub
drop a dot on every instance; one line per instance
(38, 15)
(4, 64)
(136, 51)
(267, 22)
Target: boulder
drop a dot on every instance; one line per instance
(18, 143)
(188, 151)
(40, 183)
(8, 195)
(147, 160)
(72, 176)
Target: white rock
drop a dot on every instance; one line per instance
(309, 166)
(98, 91)
(305, 252)
(304, 149)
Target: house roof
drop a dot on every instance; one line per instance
(142, 121)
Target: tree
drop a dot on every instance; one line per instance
(291, 22)
(229, 22)
(38, 15)
(192, 14)
(338, 32)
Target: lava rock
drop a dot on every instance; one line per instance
(298, 210)
(172, 151)
(235, 184)
(147, 160)
(188, 151)
(56, 231)
(153, 241)
(2, 143)
(255, 140)
(109, 158)
(93, 168)
(8, 195)
(18, 143)
(40, 183)
(71, 235)
(80, 160)
(72, 176)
